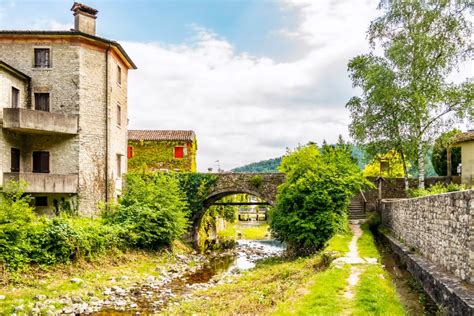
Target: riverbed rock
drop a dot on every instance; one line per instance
(40, 297)
(77, 280)
(2, 297)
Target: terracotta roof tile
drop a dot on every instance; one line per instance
(161, 135)
(464, 137)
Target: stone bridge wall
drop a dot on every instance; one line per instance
(439, 227)
(263, 185)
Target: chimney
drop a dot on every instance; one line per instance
(84, 18)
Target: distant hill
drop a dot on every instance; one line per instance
(269, 165)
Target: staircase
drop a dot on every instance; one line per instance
(356, 210)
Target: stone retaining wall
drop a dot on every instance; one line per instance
(439, 227)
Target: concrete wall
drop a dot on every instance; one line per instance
(439, 227)
(467, 161)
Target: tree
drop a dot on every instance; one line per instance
(406, 95)
(388, 165)
(312, 203)
(442, 150)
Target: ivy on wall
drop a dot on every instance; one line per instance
(151, 156)
(197, 187)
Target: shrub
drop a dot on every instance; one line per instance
(437, 188)
(312, 204)
(153, 211)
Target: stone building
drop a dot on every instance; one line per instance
(63, 114)
(466, 142)
(158, 150)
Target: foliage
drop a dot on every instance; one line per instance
(256, 181)
(437, 188)
(153, 211)
(151, 156)
(269, 165)
(394, 163)
(197, 187)
(312, 204)
(440, 153)
(407, 97)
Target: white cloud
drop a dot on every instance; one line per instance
(246, 108)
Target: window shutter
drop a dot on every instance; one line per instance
(15, 160)
(130, 152)
(178, 152)
(45, 162)
(41, 161)
(15, 97)
(36, 161)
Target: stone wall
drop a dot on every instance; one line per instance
(439, 227)
(394, 188)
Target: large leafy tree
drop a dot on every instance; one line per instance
(407, 97)
(312, 203)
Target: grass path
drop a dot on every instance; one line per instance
(353, 284)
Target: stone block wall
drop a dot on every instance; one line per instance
(439, 227)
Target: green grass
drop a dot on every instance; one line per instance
(366, 244)
(325, 295)
(339, 243)
(57, 280)
(375, 294)
(254, 232)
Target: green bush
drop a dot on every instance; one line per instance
(312, 204)
(437, 188)
(153, 211)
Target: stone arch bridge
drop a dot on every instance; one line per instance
(262, 185)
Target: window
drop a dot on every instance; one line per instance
(42, 59)
(41, 201)
(15, 160)
(119, 115)
(41, 162)
(119, 74)
(130, 152)
(119, 166)
(178, 152)
(15, 97)
(42, 102)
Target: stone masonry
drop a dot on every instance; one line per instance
(439, 227)
(84, 84)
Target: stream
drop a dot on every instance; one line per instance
(152, 296)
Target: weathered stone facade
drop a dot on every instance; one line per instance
(83, 84)
(439, 227)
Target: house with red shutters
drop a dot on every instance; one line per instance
(161, 150)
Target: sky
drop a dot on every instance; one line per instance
(251, 78)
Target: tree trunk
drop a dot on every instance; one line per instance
(421, 166)
(448, 162)
(405, 171)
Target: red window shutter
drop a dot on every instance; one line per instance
(130, 152)
(178, 152)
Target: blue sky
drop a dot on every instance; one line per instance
(252, 26)
(251, 78)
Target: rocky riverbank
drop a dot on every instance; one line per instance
(168, 285)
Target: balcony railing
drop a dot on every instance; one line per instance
(41, 122)
(45, 182)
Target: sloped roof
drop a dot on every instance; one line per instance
(14, 71)
(72, 33)
(161, 135)
(464, 137)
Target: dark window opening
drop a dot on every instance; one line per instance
(41, 162)
(15, 163)
(15, 97)
(42, 59)
(119, 75)
(178, 152)
(119, 115)
(41, 201)
(42, 102)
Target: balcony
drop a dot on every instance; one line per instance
(39, 122)
(45, 182)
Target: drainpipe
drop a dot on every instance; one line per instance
(107, 124)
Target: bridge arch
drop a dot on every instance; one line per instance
(262, 185)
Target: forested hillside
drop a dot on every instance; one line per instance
(269, 165)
